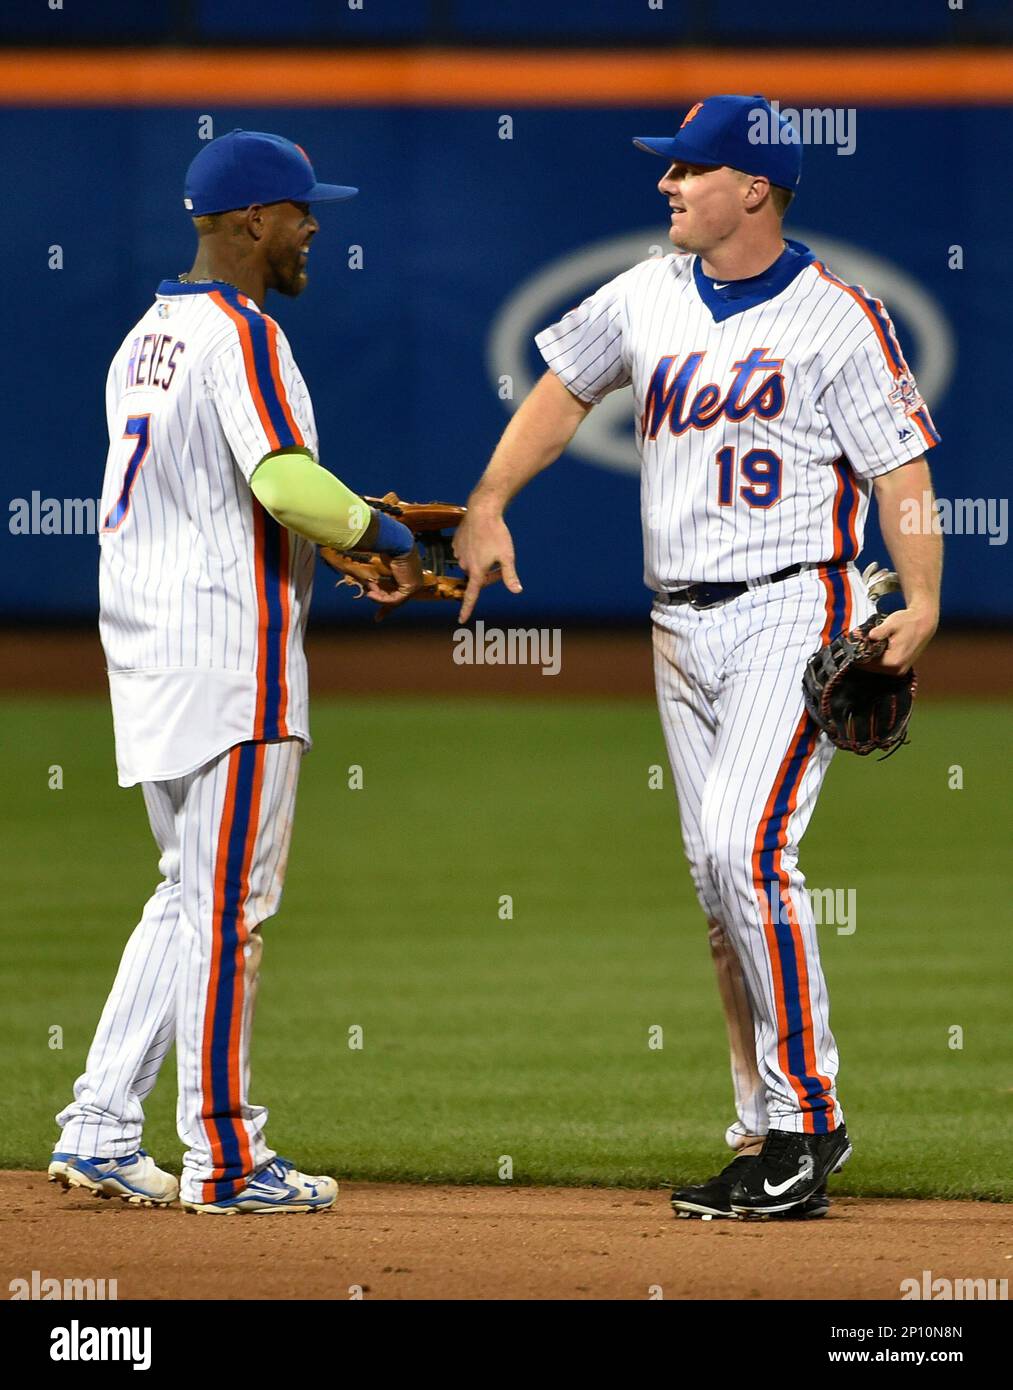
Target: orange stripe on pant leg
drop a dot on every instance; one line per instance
(808, 1034)
(770, 934)
(766, 909)
(831, 600)
(212, 1118)
(243, 936)
(221, 861)
(801, 966)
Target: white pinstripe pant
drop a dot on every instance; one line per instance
(188, 972)
(748, 766)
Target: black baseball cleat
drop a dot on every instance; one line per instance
(713, 1197)
(788, 1171)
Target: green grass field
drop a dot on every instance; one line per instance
(529, 1038)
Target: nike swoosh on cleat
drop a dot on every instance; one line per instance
(780, 1187)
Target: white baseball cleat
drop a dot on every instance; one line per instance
(136, 1179)
(278, 1187)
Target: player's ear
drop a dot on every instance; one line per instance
(256, 221)
(757, 189)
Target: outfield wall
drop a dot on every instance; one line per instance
(496, 191)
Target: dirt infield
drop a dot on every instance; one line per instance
(401, 1242)
(396, 660)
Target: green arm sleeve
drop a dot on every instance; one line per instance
(308, 499)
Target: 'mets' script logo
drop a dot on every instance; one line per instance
(674, 395)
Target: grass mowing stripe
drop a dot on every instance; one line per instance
(527, 1036)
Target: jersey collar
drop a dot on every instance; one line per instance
(173, 287)
(734, 296)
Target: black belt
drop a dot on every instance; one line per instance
(707, 595)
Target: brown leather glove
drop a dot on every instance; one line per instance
(432, 524)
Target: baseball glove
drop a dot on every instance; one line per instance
(431, 523)
(859, 710)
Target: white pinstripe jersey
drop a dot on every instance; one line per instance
(764, 409)
(203, 596)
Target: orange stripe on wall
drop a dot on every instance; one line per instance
(557, 77)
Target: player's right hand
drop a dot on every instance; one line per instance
(482, 543)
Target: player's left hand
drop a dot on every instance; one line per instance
(907, 632)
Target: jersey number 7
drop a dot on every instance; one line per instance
(139, 428)
(762, 471)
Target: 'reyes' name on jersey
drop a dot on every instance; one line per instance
(674, 395)
(152, 361)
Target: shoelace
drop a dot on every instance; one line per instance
(779, 1143)
(280, 1168)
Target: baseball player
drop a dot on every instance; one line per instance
(771, 401)
(212, 502)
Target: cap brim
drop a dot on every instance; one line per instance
(653, 144)
(674, 147)
(328, 193)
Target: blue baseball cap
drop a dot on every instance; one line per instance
(249, 166)
(740, 132)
